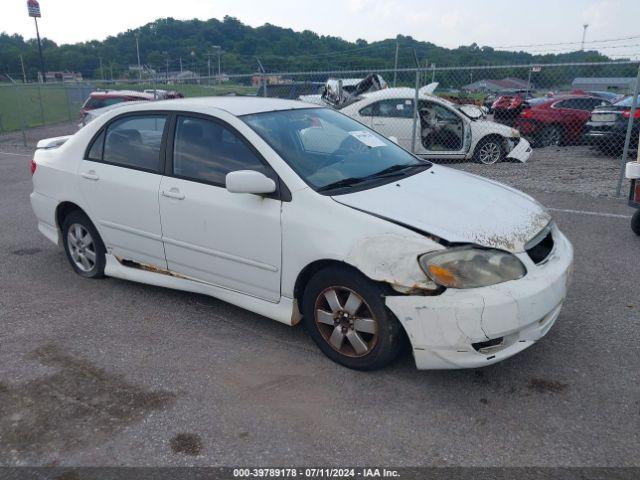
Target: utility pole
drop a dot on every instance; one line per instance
(180, 64)
(584, 35)
(167, 68)
(101, 70)
(395, 65)
(208, 55)
(24, 74)
(33, 7)
(138, 51)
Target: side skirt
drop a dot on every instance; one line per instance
(285, 311)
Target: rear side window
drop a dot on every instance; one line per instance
(206, 151)
(95, 152)
(133, 141)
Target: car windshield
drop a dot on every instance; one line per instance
(332, 152)
(626, 102)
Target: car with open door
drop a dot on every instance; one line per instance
(444, 130)
(299, 213)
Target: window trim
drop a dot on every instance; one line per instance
(281, 193)
(105, 127)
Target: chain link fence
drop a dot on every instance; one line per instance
(572, 119)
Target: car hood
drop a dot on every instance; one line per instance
(457, 207)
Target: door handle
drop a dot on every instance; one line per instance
(173, 193)
(378, 123)
(90, 175)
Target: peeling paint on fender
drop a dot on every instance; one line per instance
(393, 259)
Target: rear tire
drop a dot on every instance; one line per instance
(345, 315)
(635, 222)
(83, 245)
(550, 136)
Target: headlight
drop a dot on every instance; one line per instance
(515, 133)
(468, 267)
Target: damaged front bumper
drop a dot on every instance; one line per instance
(521, 151)
(481, 326)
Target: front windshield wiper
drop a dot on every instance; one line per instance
(345, 182)
(399, 169)
(392, 171)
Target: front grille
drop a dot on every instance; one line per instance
(540, 250)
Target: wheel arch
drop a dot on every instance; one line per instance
(489, 136)
(310, 270)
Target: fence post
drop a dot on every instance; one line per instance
(627, 138)
(66, 94)
(21, 108)
(41, 106)
(415, 112)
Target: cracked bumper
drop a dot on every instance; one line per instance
(443, 328)
(521, 152)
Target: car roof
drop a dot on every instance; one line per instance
(232, 104)
(121, 93)
(397, 92)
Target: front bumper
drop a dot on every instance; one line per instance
(521, 152)
(442, 329)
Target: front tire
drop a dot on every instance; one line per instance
(635, 222)
(489, 151)
(83, 245)
(345, 315)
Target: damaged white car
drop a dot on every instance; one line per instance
(444, 130)
(298, 212)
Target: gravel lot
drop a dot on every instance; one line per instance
(116, 373)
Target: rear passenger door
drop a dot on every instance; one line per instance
(393, 117)
(119, 178)
(226, 239)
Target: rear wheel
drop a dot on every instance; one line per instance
(550, 136)
(345, 314)
(83, 245)
(635, 222)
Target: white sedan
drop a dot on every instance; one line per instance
(444, 130)
(298, 212)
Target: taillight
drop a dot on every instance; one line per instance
(636, 192)
(627, 114)
(527, 113)
(34, 165)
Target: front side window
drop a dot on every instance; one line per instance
(331, 151)
(134, 142)
(205, 150)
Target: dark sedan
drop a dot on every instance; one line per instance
(607, 126)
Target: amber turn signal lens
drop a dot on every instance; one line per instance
(442, 275)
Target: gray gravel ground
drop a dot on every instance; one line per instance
(116, 373)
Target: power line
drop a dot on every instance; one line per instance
(569, 43)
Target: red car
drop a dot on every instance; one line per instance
(106, 98)
(556, 120)
(507, 107)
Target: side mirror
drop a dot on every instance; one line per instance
(249, 181)
(393, 139)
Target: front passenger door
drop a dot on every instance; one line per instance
(226, 239)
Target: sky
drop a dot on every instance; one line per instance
(497, 23)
